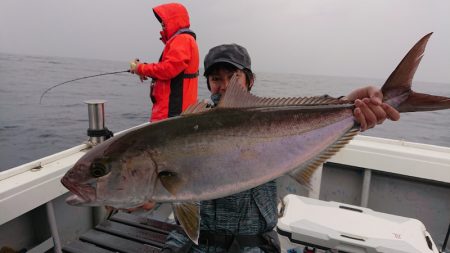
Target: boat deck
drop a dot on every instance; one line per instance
(123, 232)
(389, 176)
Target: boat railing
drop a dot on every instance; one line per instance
(36, 183)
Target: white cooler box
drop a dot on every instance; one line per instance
(333, 225)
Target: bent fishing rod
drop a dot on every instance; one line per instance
(76, 79)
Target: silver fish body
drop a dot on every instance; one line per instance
(211, 154)
(244, 142)
(225, 151)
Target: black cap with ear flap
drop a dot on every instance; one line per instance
(230, 53)
(233, 54)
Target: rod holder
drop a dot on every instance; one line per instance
(97, 131)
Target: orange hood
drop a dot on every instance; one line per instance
(174, 16)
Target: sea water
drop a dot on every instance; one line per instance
(29, 130)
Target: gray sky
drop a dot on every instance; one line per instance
(324, 37)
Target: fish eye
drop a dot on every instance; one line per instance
(99, 170)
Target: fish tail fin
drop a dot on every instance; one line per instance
(397, 88)
(424, 102)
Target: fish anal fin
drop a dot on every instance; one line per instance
(304, 173)
(237, 97)
(188, 214)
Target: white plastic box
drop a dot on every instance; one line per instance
(353, 229)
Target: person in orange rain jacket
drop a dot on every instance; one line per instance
(175, 77)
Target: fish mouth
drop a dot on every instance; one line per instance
(82, 194)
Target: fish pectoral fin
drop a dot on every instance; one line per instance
(171, 181)
(188, 214)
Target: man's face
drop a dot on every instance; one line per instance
(220, 79)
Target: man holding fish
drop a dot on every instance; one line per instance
(244, 222)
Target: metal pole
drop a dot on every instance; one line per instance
(96, 110)
(53, 227)
(366, 187)
(444, 245)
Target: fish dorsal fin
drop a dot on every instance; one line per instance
(304, 173)
(237, 97)
(188, 214)
(196, 108)
(400, 80)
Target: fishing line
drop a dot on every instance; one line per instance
(76, 79)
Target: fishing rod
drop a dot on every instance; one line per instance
(76, 79)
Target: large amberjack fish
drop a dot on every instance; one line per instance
(243, 142)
